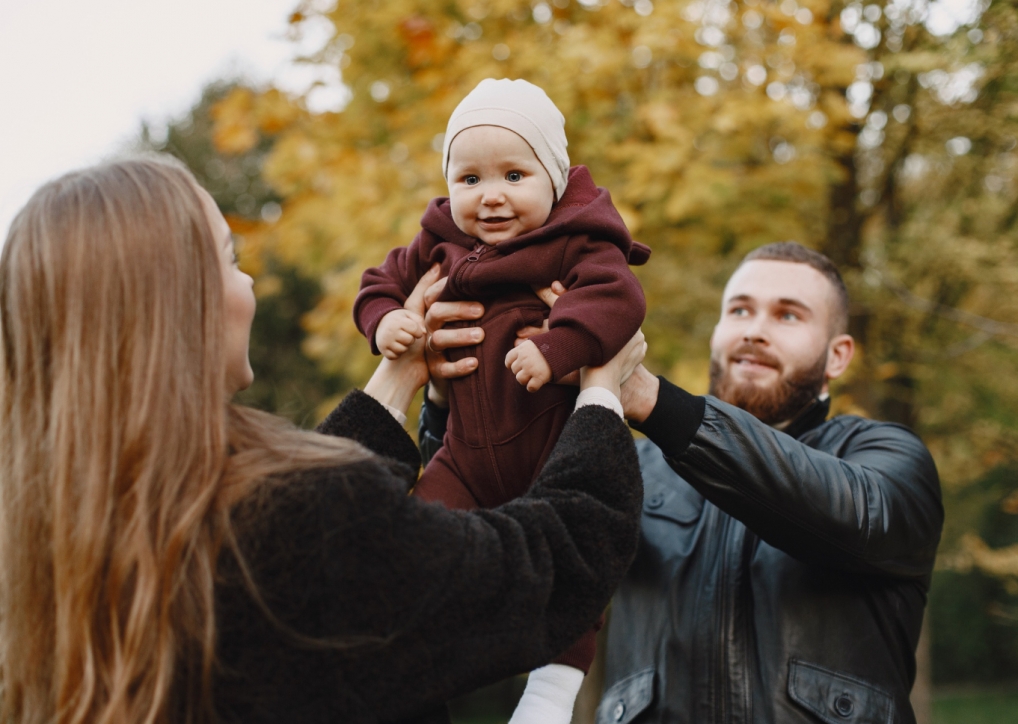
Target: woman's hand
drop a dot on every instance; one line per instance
(396, 381)
(617, 370)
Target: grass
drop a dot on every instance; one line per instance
(976, 706)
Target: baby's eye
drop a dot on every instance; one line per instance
(514, 176)
(471, 180)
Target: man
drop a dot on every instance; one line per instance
(785, 558)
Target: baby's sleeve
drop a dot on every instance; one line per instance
(602, 308)
(386, 288)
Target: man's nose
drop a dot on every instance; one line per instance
(756, 330)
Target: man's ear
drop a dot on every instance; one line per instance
(840, 351)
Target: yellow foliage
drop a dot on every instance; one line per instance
(717, 126)
(236, 126)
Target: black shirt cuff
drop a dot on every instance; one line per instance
(435, 418)
(674, 420)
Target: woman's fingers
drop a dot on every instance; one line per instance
(432, 293)
(415, 302)
(631, 355)
(615, 371)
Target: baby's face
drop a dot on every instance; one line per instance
(498, 189)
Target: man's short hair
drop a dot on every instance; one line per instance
(795, 252)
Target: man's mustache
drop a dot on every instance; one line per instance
(759, 355)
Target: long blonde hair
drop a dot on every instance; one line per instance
(120, 455)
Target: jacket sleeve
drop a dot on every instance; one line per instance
(386, 288)
(438, 602)
(600, 311)
(874, 507)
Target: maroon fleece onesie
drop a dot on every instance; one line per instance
(499, 435)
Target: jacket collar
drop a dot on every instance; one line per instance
(813, 415)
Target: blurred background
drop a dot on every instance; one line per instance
(884, 134)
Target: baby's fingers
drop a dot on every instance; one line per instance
(404, 339)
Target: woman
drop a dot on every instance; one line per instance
(167, 556)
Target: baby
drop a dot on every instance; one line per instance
(517, 218)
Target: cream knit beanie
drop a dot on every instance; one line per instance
(524, 109)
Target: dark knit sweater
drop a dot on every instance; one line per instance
(412, 603)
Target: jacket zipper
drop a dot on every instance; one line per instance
(719, 715)
(474, 256)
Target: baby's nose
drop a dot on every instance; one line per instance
(493, 196)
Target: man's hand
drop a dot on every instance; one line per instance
(529, 365)
(439, 339)
(397, 332)
(639, 394)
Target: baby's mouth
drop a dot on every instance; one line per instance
(495, 219)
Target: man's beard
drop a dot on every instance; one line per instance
(775, 403)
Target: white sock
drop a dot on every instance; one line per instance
(549, 697)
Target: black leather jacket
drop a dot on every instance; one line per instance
(781, 576)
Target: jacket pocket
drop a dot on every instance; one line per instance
(627, 698)
(665, 494)
(838, 698)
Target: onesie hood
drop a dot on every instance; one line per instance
(584, 209)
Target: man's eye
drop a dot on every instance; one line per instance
(471, 180)
(789, 317)
(739, 312)
(514, 176)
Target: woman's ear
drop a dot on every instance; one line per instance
(840, 351)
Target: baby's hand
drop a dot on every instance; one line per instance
(529, 365)
(397, 332)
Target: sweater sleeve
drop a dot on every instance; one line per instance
(385, 288)
(362, 418)
(424, 603)
(601, 310)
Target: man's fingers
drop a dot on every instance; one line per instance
(443, 339)
(550, 295)
(525, 333)
(459, 368)
(440, 313)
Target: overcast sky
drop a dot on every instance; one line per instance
(78, 76)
